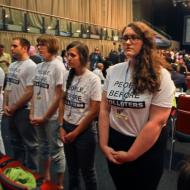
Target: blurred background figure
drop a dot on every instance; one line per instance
(178, 78)
(34, 56)
(95, 57)
(64, 57)
(5, 59)
(98, 72)
(2, 78)
(114, 57)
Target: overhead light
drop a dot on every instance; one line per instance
(6, 16)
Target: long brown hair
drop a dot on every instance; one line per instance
(83, 52)
(148, 62)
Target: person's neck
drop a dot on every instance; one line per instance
(80, 71)
(50, 58)
(132, 61)
(23, 58)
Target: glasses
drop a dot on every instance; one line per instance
(131, 38)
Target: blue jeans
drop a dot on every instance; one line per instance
(51, 144)
(80, 154)
(20, 138)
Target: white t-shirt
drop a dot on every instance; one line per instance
(129, 111)
(99, 73)
(20, 75)
(84, 88)
(47, 76)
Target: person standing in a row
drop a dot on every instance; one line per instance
(16, 126)
(81, 101)
(136, 103)
(48, 80)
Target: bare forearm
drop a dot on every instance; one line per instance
(23, 100)
(52, 108)
(103, 127)
(145, 140)
(5, 99)
(84, 123)
(61, 111)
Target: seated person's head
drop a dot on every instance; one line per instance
(100, 66)
(183, 182)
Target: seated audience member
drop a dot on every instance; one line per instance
(178, 78)
(183, 182)
(98, 72)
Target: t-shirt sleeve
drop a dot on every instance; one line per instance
(30, 74)
(59, 73)
(165, 95)
(96, 92)
(65, 76)
(106, 82)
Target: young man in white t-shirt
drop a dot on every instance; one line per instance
(48, 82)
(17, 132)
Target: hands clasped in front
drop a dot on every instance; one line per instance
(117, 157)
(67, 137)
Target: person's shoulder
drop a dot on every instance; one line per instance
(59, 64)
(6, 54)
(30, 61)
(117, 66)
(91, 74)
(164, 71)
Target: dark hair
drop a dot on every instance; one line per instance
(183, 182)
(83, 51)
(63, 53)
(51, 42)
(23, 42)
(2, 46)
(148, 62)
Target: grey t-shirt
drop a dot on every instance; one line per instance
(20, 75)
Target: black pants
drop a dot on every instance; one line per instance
(143, 173)
(80, 156)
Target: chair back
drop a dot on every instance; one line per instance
(183, 122)
(183, 102)
(187, 79)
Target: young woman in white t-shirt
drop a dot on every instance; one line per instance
(136, 102)
(81, 101)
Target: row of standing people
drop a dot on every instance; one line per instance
(135, 104)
